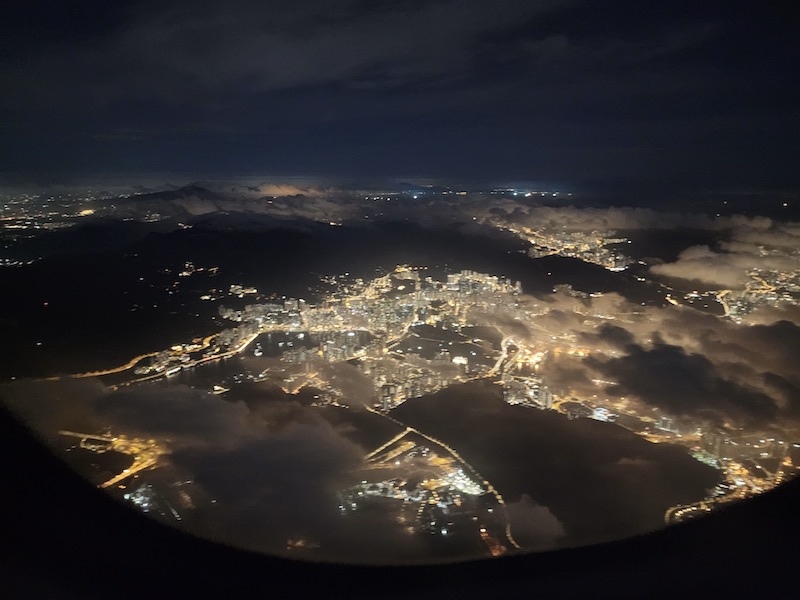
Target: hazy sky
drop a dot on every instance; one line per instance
(678, 93)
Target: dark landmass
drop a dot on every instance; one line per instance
(70, 314)
(90, 236)
(96, 467)
(664, 244)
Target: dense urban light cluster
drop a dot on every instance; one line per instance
(350, 351)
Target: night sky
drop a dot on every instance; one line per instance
(682, 93)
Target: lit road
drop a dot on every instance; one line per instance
(132, 362)
(138, 465)
(382, 447)
(503, 356)
(745, 486)
(494, 546)
(146, 453)
(489, 487)
(241, 348)
(128, 365)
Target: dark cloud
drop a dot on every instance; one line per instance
(567, 375)
(683, 361)
(682, 383)
(534, 526)
(273, 465)
(610, 335)
(552, 89)
(787, 390)
(48, 406)
(182, 415)
(275, 486)
(174, 52)
(505, 323)
(773, 346)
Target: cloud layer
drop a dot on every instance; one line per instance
(551, 89)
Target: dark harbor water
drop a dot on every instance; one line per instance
(600, 480)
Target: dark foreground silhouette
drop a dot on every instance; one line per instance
(63, 539)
